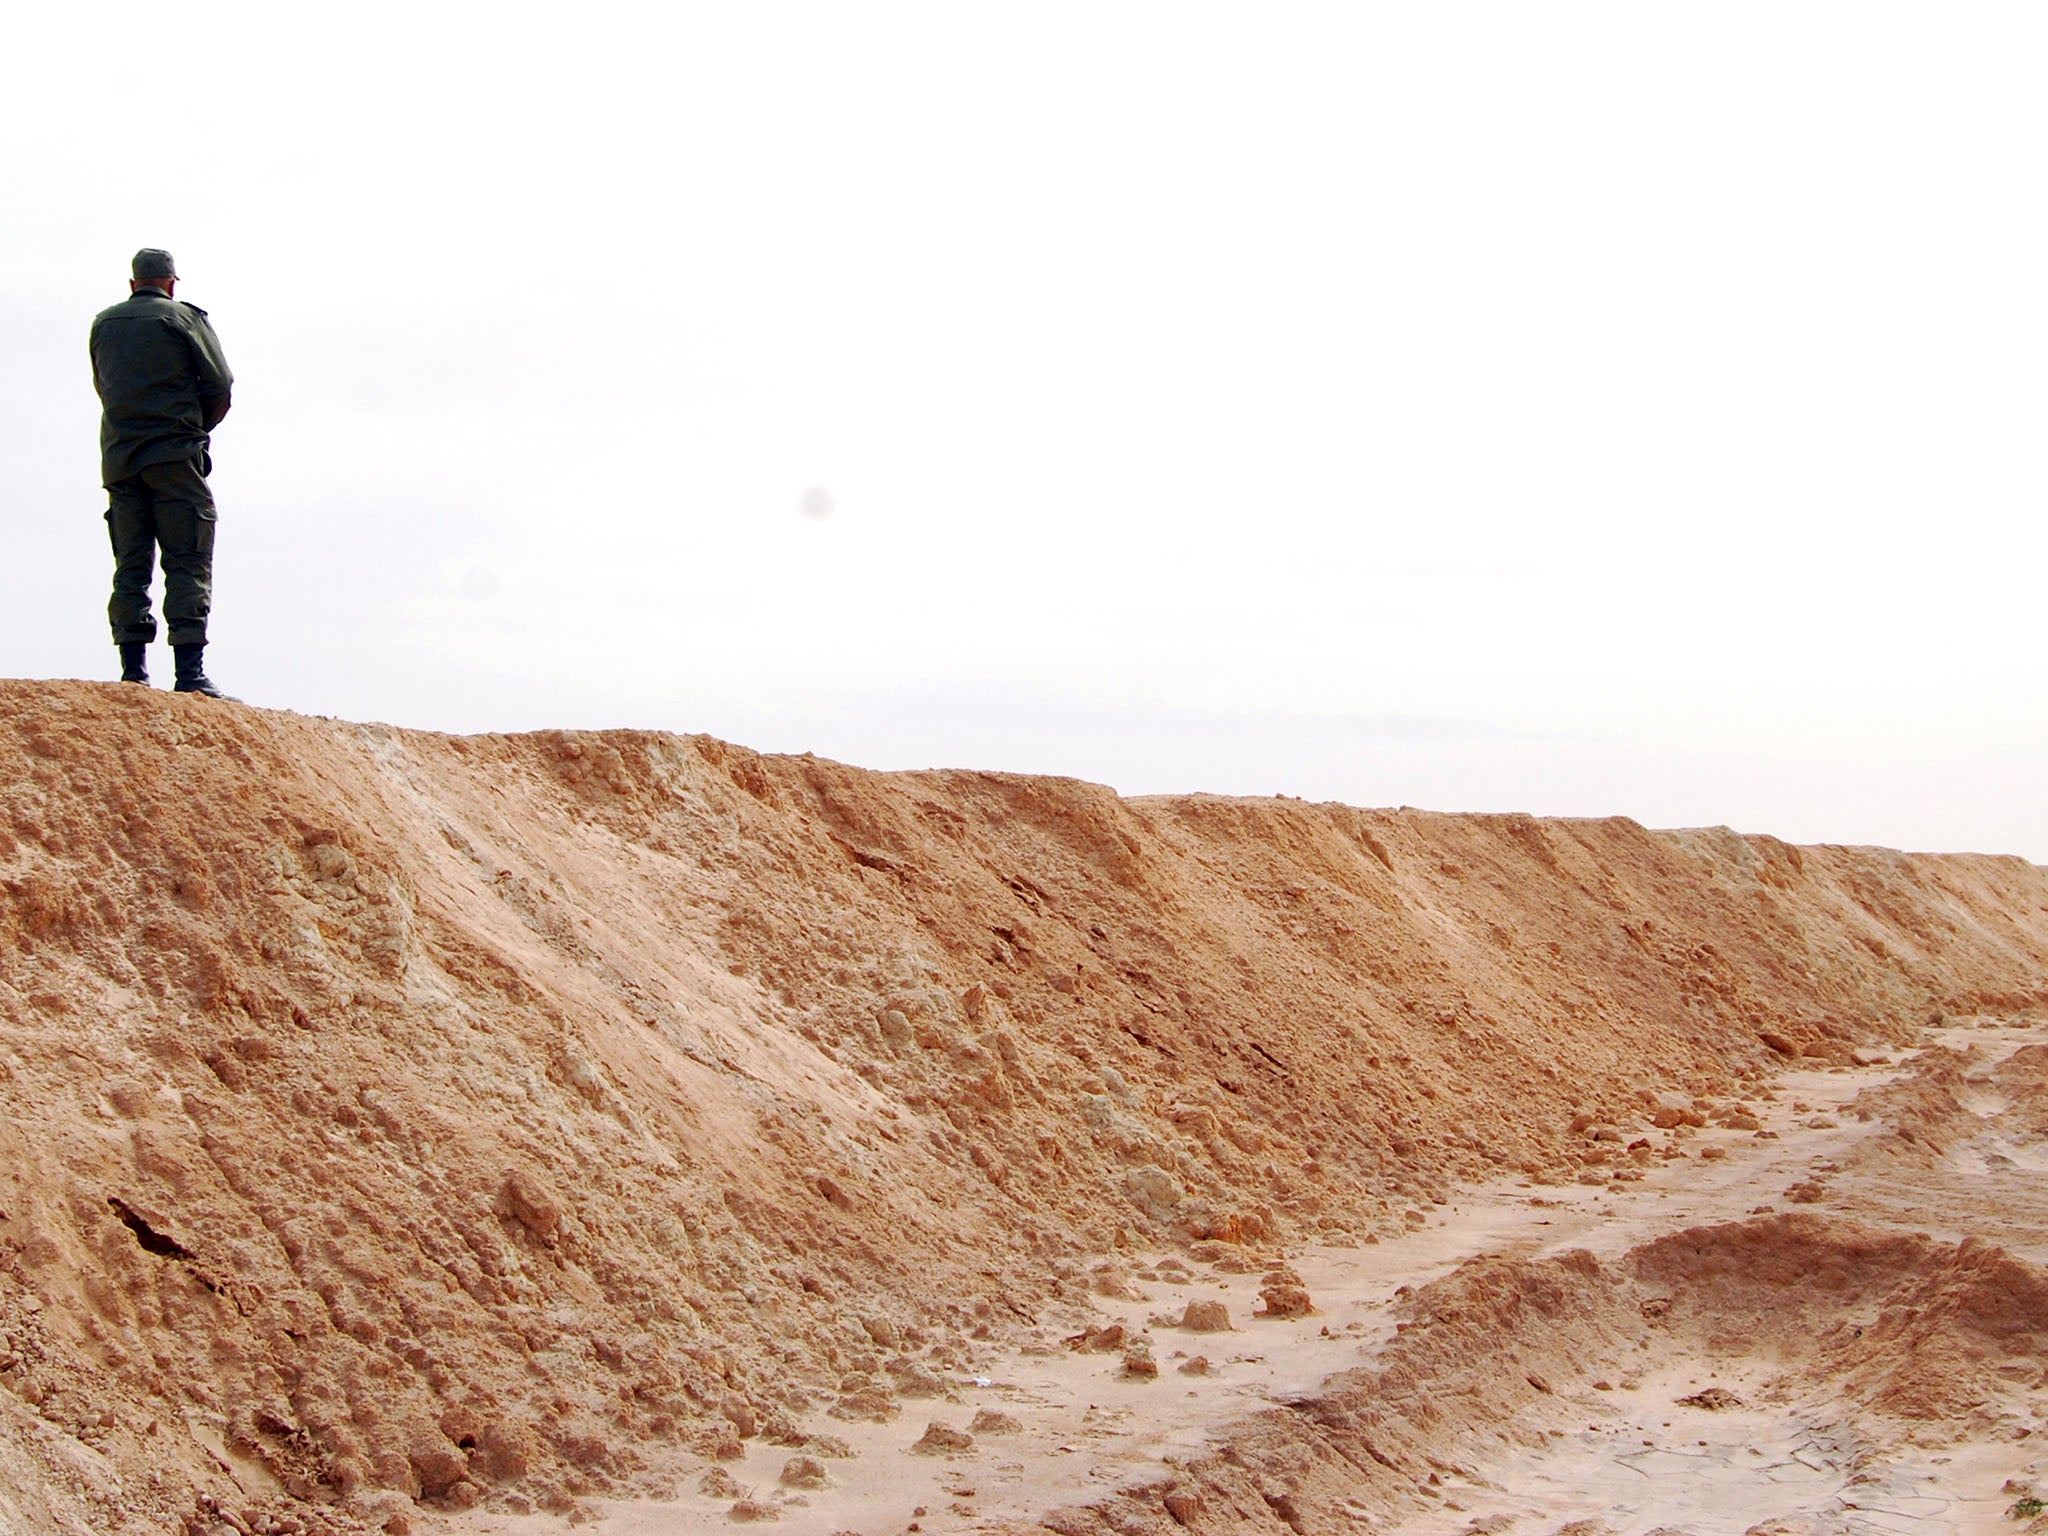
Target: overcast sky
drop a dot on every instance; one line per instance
(1583, 409)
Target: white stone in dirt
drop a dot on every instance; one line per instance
(1155, 1190)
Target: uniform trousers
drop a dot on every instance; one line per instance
(167, 507)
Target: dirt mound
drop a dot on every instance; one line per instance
(394, 1117)
(1925, 1113)
(2022, 1080)
(1900, 1324)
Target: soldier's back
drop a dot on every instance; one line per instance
(147, 353)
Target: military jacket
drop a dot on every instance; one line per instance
(162, 380)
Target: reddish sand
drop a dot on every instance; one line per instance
(406, 1131)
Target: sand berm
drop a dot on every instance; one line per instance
(394, 1122)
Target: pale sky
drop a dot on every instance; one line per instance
(1582, 409)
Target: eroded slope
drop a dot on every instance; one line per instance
(390, 1116)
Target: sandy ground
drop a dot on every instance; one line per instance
(399, 1129)
(1642, 1461)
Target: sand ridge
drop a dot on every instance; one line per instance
(400, 1127)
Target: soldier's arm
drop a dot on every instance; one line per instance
(92, 348)
(216, 383)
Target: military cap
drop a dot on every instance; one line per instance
(151, 262)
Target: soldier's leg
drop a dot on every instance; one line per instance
(184, 531)
(131, 527)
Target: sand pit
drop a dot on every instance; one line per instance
(406, 1132)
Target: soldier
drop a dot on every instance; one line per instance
(163, 387)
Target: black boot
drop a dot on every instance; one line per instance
(192, 676)
(135, 662)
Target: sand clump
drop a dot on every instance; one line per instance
(802, 1472)
(943, 1440)
(404, 1122)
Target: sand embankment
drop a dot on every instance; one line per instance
(510, 1121)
